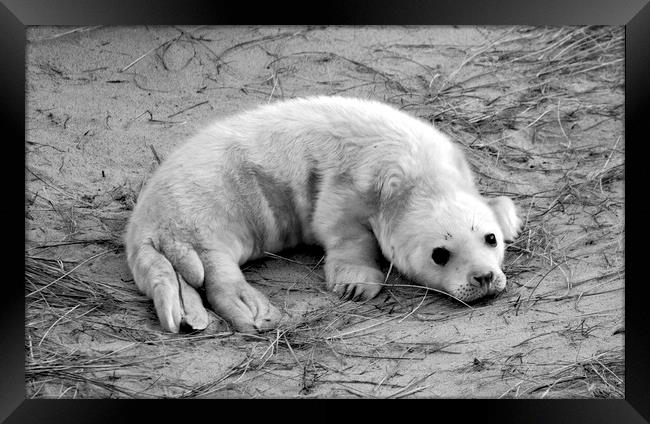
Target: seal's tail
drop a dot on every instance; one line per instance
(177, 303)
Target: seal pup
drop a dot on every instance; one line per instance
(358, 177)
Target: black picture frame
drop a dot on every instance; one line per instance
(15, 15)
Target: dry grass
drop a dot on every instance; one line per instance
(528, 106)
(599, 376)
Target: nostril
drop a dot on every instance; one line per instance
(484, 279)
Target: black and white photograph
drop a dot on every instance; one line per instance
(427, 211)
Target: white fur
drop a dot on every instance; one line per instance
(358, 177)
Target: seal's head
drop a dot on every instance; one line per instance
(455, 243)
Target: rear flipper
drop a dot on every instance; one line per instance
(195, 316)
(247, 309)
(177, 303)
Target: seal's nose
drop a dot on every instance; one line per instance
(484, 279)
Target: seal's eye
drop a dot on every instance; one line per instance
(440, 255)
(491, 239)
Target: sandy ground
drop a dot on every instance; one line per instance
(539, 110)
